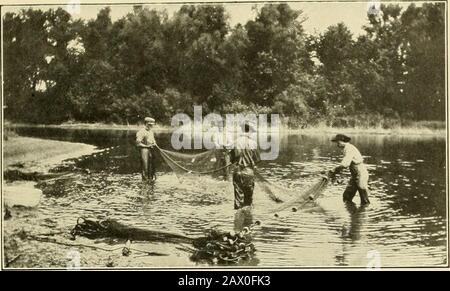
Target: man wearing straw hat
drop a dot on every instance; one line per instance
(145, 141)
(359, 175)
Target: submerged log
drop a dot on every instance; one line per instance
(113, 229)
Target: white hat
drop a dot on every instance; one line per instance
(149, 120)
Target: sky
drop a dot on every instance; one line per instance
(320, 15)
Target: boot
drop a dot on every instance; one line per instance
(364, 195)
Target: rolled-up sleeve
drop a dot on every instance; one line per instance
(139, 137)
(347, 159)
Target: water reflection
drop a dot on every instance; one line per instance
(357, 218)
(405, 222)
(243, 218)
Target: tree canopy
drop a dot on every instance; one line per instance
(57, 68)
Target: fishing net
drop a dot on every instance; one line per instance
(220, 247)
(216, 247)
(211, 163)
(304, 197)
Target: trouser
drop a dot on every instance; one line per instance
(223, 160)
(242, 218)
(244, 184)
(148, 170)
(358, 182)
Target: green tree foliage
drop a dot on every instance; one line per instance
(147, 63)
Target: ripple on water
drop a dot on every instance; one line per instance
(328, 233)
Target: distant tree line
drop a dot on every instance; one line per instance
(57, 68)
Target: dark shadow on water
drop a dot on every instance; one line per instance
(243, 218)
(352, 232)
(357, 217)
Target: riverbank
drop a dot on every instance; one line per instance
(29, 157)
(414, 129)
(40, 155)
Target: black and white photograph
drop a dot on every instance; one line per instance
(224, 135)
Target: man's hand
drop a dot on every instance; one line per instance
(331, 174)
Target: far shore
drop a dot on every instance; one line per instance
(416, 130)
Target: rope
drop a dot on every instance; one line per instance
(125, 250)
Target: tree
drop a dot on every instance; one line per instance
(193, 42)
(385, 60)
(25, 46)
(335, 49)
(424, 32)
(276, 50)
(38, 64)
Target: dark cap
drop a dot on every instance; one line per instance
(340, 137)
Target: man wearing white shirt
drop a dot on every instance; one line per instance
(145, 141)
(245, 156)
(222, 141)
(359, 174)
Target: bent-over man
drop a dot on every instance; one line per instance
(359, 174)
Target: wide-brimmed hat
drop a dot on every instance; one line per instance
(149, 120)
(340, 137)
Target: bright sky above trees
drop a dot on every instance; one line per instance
(319, 15)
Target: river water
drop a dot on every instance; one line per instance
(405, 224)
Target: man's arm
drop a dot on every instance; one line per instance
(346, 161)
(139, 141)
(336, 171)
(141, 145)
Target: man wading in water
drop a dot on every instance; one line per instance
(145, 140)
(222, 141)
(359, 175)
(245, 155)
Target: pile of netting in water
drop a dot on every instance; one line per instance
(216, 247)
(220, 247)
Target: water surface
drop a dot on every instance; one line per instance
(405, 224)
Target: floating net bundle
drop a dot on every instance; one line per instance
(216, 247)
(220, 247)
